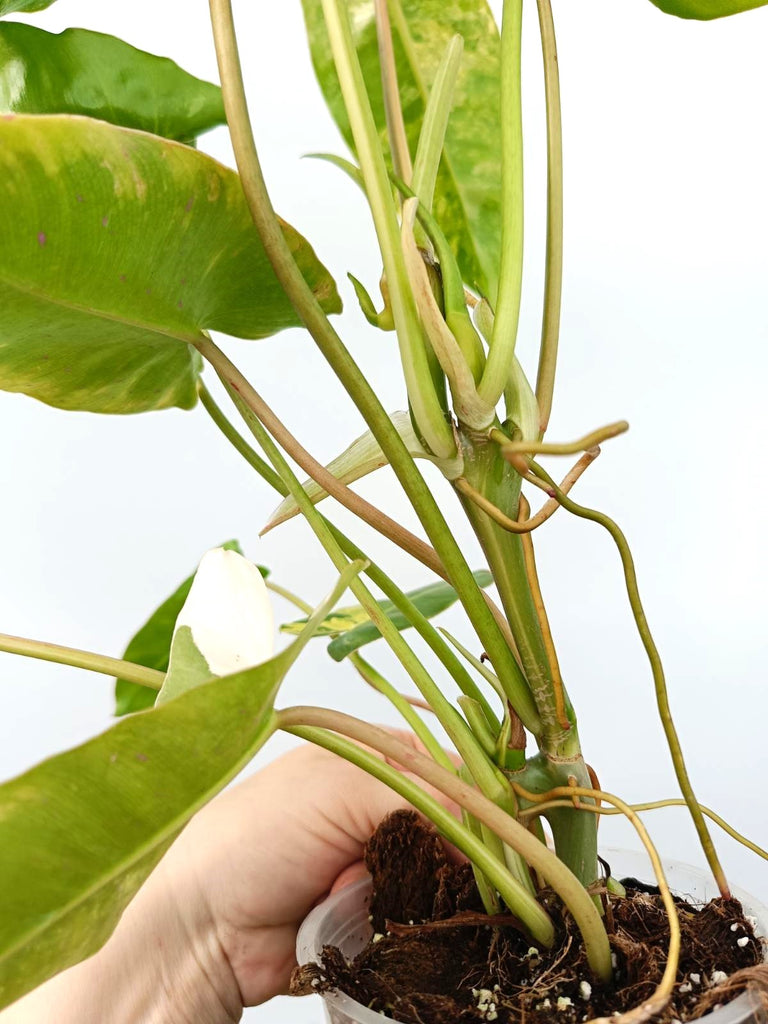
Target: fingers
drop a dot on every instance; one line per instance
(350, 875)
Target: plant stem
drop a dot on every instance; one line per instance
(496, 373)
(244, 393)
(657, 669)
(303, 606)
(494, 478)
(478, 722)
(488, 894)
(421, 624)
(476, 663)
(393, 111)
(238, 442)
(459, 732)
(427, 411)
(82, 659)
(328, 341)
(553, 275)
(431, 636)
(558, 737)
(467, 405)
(534, 586)
(375, 679)
(574, 834)
(454, 296)
(572, 893)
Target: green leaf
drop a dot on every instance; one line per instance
(706, 10)
(83, 72)
(339, 621)
(81, 831)
(469, 180)
(352, 628)
(29, 6)
(151, 645)
(117, 250)
(190, 668)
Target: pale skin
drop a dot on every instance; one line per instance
(213, 929)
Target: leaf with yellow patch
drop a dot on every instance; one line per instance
(351, 627)
(118, 250)
(467, 195)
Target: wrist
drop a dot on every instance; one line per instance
(194, 973)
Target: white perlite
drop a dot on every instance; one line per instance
(563, 1002)
(743, 941)
(485, 1003)
(585, 990)
(695, 978)
(718, 977)
(685, 987)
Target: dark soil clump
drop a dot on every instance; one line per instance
(436, 958)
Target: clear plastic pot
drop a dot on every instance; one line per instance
(342, 920)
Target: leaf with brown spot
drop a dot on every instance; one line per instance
(108, 276)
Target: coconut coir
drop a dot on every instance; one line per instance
(437, 958)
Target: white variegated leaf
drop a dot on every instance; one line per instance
(226, 624)
(363, 456)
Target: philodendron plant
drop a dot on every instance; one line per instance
(122, 248)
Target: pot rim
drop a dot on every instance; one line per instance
(735, 1012)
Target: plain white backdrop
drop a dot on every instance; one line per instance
(664, 324)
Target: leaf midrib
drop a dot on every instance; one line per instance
(99, 313)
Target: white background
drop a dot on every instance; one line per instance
(664, 324)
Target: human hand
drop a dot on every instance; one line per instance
(261, 855)
(214, 927)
